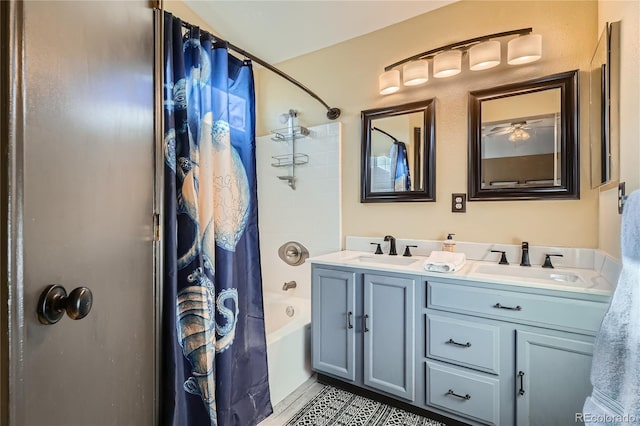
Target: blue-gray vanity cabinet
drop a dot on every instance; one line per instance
(363, 329)
(333, 311)
(545, 343)
(389, 334)
(552, 377)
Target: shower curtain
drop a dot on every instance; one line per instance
(402, 178)
(214, 350)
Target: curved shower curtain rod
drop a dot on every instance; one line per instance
(332, 113)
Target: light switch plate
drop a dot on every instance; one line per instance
(458, 203)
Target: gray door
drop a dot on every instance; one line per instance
(552, 377)
(333, 310)
(389, 334)
(84, 177)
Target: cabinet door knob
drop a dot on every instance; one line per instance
(349, 316)
(364, 323)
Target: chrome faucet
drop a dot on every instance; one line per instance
(525, 254)
(392, 245)
(289, 284)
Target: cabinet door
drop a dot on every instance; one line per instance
(553, 372)
(389, 334)
(333, 322)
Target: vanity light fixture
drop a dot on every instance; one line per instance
(389, 82)
(416, 72)
(525, 49)
(447, 63)
(483, 53)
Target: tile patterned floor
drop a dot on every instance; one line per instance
(289, 406)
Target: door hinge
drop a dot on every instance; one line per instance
(156, 227)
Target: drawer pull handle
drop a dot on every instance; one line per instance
(521, 376)
(499, 306)
(349, 316)
(364, 323)
(465, 397)
(464, 345)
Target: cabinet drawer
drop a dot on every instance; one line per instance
(575, 314)
(470, 344)
(469, 394)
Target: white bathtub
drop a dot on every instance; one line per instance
(288, 342)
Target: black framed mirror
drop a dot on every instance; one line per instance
(523, 140)
(398, 153)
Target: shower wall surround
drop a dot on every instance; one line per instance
(310, 214)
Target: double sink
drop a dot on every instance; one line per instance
(484, 270)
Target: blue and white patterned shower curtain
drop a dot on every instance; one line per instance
(400, 175)
(214, 350)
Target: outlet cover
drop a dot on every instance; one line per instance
(458, 203)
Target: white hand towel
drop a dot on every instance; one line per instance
(444, 261)
(615, 368)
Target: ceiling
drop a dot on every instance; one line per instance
(279, 30)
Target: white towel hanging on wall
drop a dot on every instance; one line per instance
(615, 370)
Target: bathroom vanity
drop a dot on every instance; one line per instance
(482, 345)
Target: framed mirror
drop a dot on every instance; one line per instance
(398, 153)
(604, 84)
(523, 140)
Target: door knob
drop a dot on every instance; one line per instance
(54, 302)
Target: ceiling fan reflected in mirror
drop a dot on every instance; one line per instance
(516, 130)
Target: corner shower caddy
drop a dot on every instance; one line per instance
(291, 133)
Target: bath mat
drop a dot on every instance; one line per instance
(333, 406)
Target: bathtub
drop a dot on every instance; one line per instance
(288, 328)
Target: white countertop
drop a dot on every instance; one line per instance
(586, 280)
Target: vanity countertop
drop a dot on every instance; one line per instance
(576, 280)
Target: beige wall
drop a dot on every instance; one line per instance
(182, 11)
(629, 13)
(345, 76)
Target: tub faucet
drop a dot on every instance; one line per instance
(289, 284)
(392, 245)
(525, 254)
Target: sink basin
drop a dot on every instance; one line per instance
(529, 272)
(389, 260)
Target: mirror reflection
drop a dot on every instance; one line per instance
(604, 108)
(520, 146)
(523, 140)
(397, 153)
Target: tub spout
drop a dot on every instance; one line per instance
(289, 284)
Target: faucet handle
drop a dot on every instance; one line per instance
(503, 257)
(407, 252)
(547, 260)
(378, 249)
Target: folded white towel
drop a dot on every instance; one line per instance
(444, 261)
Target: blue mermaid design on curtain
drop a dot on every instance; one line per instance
(214, 357)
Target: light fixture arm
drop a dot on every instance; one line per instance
(461, 44)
